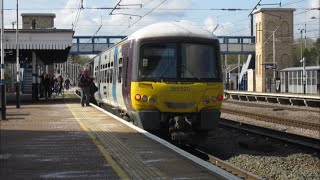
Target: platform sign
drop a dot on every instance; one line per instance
(277, 85)
(270, 66)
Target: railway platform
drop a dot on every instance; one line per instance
(57, 138)
(308, 100)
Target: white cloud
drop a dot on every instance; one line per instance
(210, 24)
(90, 20)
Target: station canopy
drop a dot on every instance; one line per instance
(50, 45)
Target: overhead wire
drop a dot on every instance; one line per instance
(144, 16)
(78, 15)
(93, 34)
(293, 3)
(134, 13)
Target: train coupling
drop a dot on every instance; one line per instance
(180, 129)
(182, 136)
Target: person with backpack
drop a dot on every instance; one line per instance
(84, 84)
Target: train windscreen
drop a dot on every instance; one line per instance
(178, 61)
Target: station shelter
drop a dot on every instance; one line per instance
(291, 80)
(40, 45)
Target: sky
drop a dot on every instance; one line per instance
(95, 18)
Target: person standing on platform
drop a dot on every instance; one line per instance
(60, 84)
(67, 83)
(47, 87)
(93, 89)
(41, 85)
(84, 84)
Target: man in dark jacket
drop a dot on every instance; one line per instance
(84, 84)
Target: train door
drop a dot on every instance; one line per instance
(127, 56)
(112, 74)
(97, 73)
(118, 80)
(102, 80)
(108, 76)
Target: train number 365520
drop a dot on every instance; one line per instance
(179, 88)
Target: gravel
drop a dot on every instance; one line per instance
(269, 159)
(303, 115)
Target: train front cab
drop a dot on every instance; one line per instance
(176, 83)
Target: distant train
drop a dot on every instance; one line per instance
(164, 76)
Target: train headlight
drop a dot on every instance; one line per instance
(144, 98)
(152, 100)
(137, 97)
(214, 99)
(206, 101)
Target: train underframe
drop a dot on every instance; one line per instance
(181, 128)
(184, 128)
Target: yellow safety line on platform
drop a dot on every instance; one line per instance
(104, 152)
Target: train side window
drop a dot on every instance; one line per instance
(120, 61)
(107, 76)
(104, 77)
(111, 75)
(126, 75)
(120, 75)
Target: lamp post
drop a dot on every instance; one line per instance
(17, 62)
(303, 61)
(274, 63)
(301, 47)
(313, 17)
(274, 55)
(2, 83)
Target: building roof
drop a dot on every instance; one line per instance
(50, 45)
(308, 68)
(272, 9)
(38, 14)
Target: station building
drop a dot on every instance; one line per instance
(274, 36)
(40, 45)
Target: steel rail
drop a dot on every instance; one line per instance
(230, 168)
(274, 119)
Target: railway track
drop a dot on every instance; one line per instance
(228, 167)
(274, 119)
(271, 105)
(282, 136)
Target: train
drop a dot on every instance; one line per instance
(164, 77)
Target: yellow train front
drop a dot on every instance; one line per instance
(173, 80)
(166, 76)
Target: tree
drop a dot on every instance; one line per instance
(311, 54)
(81, 59)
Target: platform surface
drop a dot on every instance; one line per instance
(58, 138)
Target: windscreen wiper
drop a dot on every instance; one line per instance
(191, 72)
(166, 70)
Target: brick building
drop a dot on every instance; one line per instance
(38, 20)
(274, 32)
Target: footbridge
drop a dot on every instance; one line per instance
(96, 44)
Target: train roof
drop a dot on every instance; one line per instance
(172, 29)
